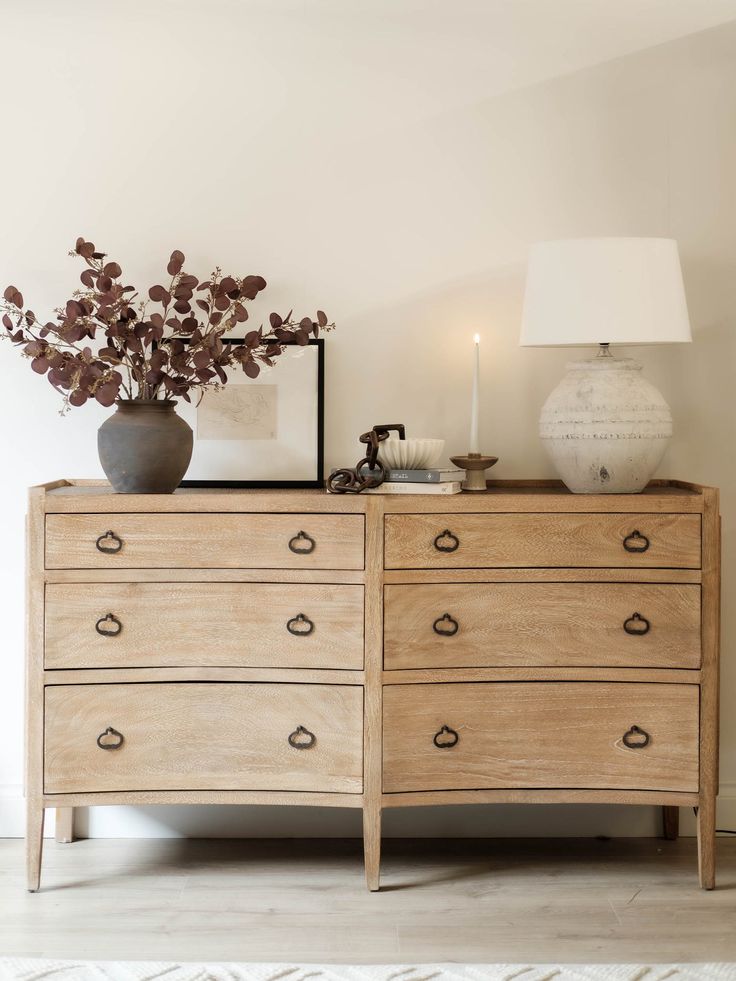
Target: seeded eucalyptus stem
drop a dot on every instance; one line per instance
(101, 334)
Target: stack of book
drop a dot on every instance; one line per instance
(420, 482)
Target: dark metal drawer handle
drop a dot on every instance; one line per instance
(636, 542)
(115, 543)
(113, 734)
(302, 549)
(446, 738)
(446, 626)
(300, 625)
(636, 738)
(114, 626)
(451, 546)
(637, 625)
(302, 738)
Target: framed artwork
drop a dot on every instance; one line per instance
(263, 432)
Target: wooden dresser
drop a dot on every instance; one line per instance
(522, 645)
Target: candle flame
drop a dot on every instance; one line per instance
(476, 338)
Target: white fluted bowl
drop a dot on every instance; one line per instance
(410, 454)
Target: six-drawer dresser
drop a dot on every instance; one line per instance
(294, 647)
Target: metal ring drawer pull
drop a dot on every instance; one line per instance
(304, 549)
(300, 625)
(636, 738)
(636, 542)
(111, 734)
(446, 626)
(302, 738)
(454, 541)
(113, 622)
(637, 625)
(115, 545)
(446, 738)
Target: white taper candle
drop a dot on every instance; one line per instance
(475, 402)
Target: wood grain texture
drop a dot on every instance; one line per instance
(184, 541)
(373, 718)
(34, 686)
(412, 576)
(540, 795)
(64, 826)
(554, 734)
(203, 736)
(560, 555)
(330, 577)
(709, 689)
(424, 676)
(565, 540)
(222, 624)
(104, 676)
(541, 624)
(250, 798)
(513, 901)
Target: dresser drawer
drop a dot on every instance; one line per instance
(546, 734)
(205, 541)
(553, 624)
(203, 737)
(457, 541)
(174, 624)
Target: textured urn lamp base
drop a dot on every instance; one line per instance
(475, 466)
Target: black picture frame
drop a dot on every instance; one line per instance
(319, 480)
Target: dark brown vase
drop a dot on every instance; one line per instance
(145, 447)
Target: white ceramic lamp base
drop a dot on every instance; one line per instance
(605, 427)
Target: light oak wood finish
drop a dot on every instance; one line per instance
(224, 624)
(569, 735)
(203, 737)
(532, 538)
(523, 624)
(709, 688)
(565, 540)
(64, 827)
(615, 901)
(373, 721)
(182, 541)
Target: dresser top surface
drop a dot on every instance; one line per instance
(83, 496)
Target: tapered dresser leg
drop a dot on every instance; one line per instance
(65, 825)
(34, 843)
(372, 846)
(707, 843)
(670, 823)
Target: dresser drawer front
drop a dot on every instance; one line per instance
(550, 624)
(204, 541)
(534, 735)
(203, 737)
(172, 624)
(437, 541)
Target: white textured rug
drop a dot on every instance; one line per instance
(20, 969)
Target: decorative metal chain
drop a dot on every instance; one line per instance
(355, 480)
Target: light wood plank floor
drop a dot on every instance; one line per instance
(491, 900)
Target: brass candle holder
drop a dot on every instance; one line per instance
(475, 466)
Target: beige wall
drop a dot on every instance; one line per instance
(411, 230)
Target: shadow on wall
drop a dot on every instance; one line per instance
(410, 361)
(477, 821)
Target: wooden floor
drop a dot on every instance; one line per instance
(492, 900)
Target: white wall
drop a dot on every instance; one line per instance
(234, 137)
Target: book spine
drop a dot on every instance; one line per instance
(414, 476)
(404, 487)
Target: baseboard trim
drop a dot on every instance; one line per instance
(463, 821)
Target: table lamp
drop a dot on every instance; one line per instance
(605, 427)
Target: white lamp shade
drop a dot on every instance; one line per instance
(604, 291)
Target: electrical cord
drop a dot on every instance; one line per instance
(719, 831)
